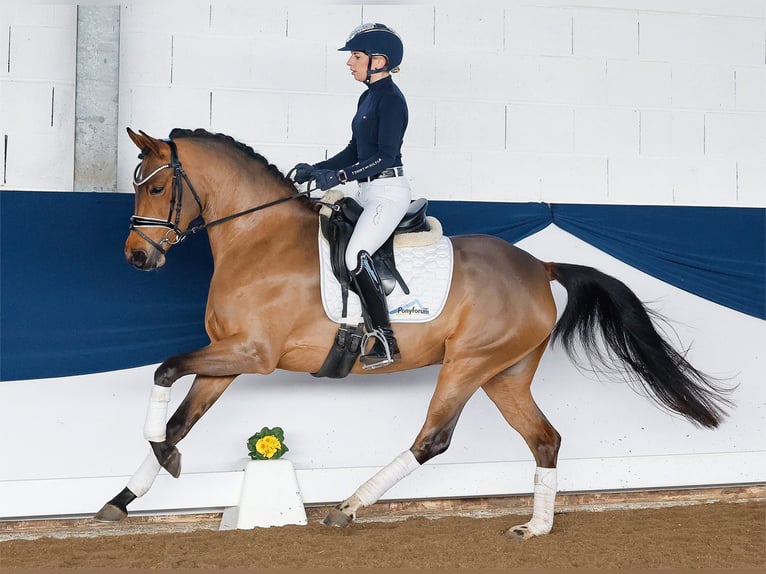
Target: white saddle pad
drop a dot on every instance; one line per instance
(426, 269)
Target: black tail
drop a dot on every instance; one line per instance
(598, 302)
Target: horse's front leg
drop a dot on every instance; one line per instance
(201, 396)
(221, 366)
(163, 437)
(219, 362)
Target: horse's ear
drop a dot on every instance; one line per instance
(144, 142)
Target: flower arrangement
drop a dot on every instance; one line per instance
(268, 444)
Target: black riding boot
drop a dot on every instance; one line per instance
(375, 309)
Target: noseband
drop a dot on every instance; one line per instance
(174, 233)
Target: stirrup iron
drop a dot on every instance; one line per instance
(380, 337)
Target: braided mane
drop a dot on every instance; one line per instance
(179, 133)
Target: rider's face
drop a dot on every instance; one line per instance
(357, 63)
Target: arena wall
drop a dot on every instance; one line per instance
(586, 101)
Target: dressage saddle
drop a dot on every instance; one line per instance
(337, 227)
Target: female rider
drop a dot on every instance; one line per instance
(373, 159)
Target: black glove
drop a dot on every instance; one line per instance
(325, 178)
(302, 173)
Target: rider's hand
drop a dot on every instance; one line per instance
(325, 178)
(302, 173)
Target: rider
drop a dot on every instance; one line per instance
(372, 158)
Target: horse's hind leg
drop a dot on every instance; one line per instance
(510, 391)
(163, 437)
(434, 438)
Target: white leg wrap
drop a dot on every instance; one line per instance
(143, 478)
(157, 414)
(544, 501)
(388, 476)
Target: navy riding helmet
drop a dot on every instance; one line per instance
(376, 39)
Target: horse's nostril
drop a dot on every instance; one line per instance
(138, 259)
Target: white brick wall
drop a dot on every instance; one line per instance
(741, 135)
(638, 84)
(672, 134)
(598, 101)
(262, 19)
(750, 86)
(601, 132)
(751, 181)
(603, 34)
(470, 126)
(691, 38)
(540, 129)
(468, 26)
(538, 31)
(37, 79)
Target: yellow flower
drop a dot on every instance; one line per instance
(268, 446)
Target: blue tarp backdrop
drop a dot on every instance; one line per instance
(70, 304)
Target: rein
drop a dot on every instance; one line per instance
(174, 233)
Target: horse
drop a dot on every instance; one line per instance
(264, 312)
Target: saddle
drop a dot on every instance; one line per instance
(338, 225)
(337, 222)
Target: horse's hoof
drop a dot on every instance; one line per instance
(337, 518)
(168, 456)
(173, 463)
(521, 532)
(110, 513)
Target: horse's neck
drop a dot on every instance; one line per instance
(288, 222)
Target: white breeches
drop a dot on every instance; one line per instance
(385, 201)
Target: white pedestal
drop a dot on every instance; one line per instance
(270, 496)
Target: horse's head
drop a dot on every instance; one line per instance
(163, 209)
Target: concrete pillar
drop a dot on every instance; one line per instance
(96, 98)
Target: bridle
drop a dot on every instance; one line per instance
(174, 233)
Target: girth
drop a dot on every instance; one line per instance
(338, 227)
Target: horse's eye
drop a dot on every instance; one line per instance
(156, 190)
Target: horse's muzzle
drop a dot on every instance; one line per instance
(139, 259)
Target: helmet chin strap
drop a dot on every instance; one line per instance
(370, 71)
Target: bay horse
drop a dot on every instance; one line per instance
(264, 313)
